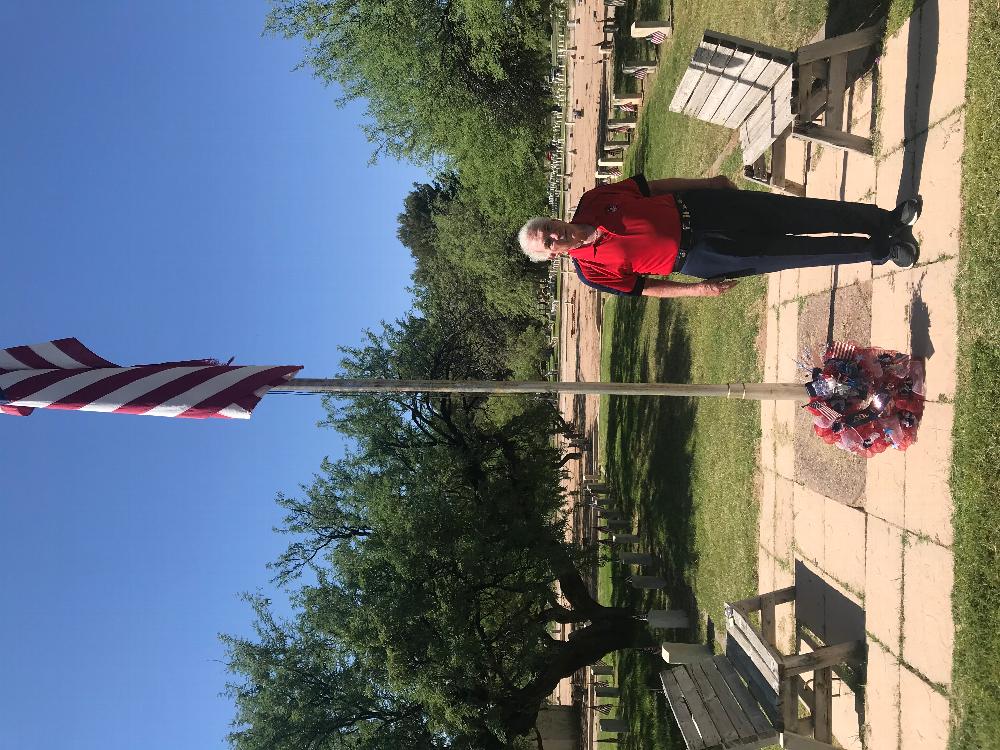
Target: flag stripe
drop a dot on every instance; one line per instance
(11, 378)
(170, 392)
(118, 389)
(9, 362)
(29, 357)
(207, 395)
(76, 350)
(70, 381)
(235, 396)
(56, 357)
(23, 384)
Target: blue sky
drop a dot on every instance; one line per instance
(171, 189)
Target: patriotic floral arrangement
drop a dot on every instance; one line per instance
(866, 399)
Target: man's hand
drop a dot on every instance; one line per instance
(721, 182)
(714, 288)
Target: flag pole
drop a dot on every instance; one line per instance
(747, 391)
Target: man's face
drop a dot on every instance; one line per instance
(559, 237)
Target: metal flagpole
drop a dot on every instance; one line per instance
(748, 391)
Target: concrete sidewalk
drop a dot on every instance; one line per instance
(870, 542)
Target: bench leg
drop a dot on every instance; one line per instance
(807, 131)
(822, 703)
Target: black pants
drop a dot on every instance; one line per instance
(743, 232)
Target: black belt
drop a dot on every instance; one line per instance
(684, 245)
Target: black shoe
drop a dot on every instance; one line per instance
(904, 253)
(907, 212)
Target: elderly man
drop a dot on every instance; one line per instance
(625, 233)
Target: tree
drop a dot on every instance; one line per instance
(439, 548)
(462, 79)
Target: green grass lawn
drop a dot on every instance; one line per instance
(975, 479)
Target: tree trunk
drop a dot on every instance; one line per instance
(612, 630)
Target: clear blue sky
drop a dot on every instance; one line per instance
(169, 188)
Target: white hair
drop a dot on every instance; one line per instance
(527, 237)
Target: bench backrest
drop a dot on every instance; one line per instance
(713, 707)
(728, 77)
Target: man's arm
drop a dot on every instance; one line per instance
(664, 288)
(680, 184)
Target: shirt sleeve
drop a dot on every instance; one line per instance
(598, 277)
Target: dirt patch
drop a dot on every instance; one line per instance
(839, 315)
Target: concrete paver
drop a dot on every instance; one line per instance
(767, 436)
(888, 191)
(853, 273)
(809, 526)
(788, 332)
(784, 521)
(784, 446)
(788, 285)
(896, 87)
(844, 544)
(923, 714)
(883, 582)
(928, 629)
(844, 716)
(859, 179)
(933, 321)
(815, 280)
(767, 511)
(771, 346)
(933, 157)
(890, 312)
(944, 45)
(882, 698)
(928, 504)
(885, 493)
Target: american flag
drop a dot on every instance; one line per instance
(657, 37)
(640, 73)
(64, 374)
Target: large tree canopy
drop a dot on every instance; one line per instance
(438, 549)
(462, 79)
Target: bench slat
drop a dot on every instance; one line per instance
(766, 696)
(765, 81)
(709, 80)
(735, 41)
(728, 80)
(767, 669)
(713, 702)
(675, 699)
(771, 118)
(697, 708)
(746, 86)
(734, 710)
(754, 714)
(696, 69)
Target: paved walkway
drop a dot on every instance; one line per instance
(870, 542)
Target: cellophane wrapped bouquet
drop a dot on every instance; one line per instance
(866, 399)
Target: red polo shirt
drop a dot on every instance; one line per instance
(640, 235)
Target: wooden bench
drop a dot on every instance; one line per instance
(750, 697)
(770, 94)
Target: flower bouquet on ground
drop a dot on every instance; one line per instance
(866, 399)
